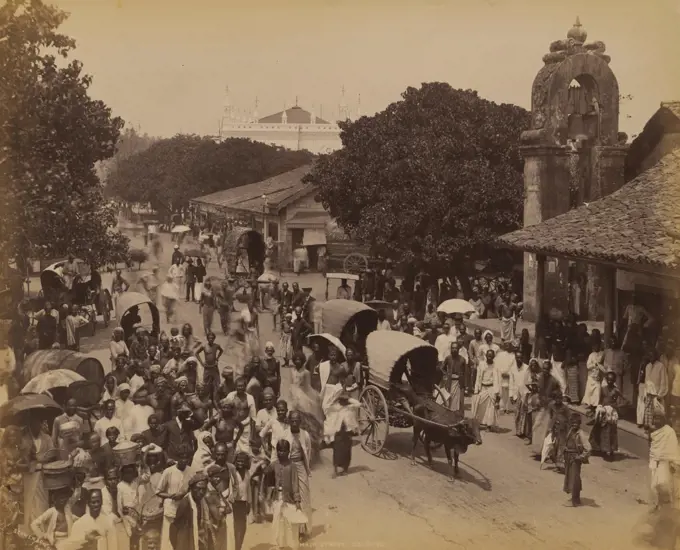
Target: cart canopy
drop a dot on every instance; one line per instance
(238, 239)
(337, 314)
(390, 353)
(325, 340)
(42, 361)
(127, 301)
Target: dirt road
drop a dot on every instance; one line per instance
(502, 499)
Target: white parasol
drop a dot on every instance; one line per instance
(180, 229)
(456, 306)
(58, 378)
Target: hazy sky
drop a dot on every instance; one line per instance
(164, 64)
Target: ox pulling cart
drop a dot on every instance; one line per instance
(402, 382)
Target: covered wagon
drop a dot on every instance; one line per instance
(42, 361)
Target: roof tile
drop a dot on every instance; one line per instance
(639, 223)
(249, 197)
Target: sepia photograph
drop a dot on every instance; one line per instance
(339, 274)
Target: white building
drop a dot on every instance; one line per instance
(294, 128)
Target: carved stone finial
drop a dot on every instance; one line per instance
(577, 33)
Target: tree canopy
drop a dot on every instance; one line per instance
(52, 135)
(172, 171)
(430, 180)
(131, 142)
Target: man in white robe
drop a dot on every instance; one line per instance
(444, 341)
(95, 525)
(124, 408)
(505, 361)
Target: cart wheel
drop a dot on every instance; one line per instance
(355, 263)
(373, 420)
(106, 308)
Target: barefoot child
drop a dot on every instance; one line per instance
(576, 451)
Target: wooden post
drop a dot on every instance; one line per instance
(609, 289)
(540, 291)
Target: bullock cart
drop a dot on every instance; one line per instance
(402, 382)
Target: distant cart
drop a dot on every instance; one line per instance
(243, 248)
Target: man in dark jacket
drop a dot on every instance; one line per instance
(191, 280)
(182, 534)
(180, 432)
(177, 255)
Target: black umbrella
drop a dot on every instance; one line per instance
(12, 411)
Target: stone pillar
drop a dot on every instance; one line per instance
(607, 164)
(538, 302)
(546, 195)
(607, 170)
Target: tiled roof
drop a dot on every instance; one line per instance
(662, 128)
(296, 115)
(638, 224)
(309, 218)
(249, 197)
(672, 106)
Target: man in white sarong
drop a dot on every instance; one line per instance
(487, 393)
(444, 341)
(246, 413)
(300, 455)
(172, 487)
(505, 361)
(656, 389)
(453, 378)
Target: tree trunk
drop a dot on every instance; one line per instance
(465, 285)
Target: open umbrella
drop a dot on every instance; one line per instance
(57, 378)
(324, 339)
(205, 236)
(194, 253)
(180, 229)
(11, 411)
(452, 307)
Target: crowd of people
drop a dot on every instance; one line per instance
(567, 365)
(182, 453)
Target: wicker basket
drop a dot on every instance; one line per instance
(126, 453)
(57, 475)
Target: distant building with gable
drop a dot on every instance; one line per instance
(294, 128)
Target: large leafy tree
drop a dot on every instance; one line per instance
(429, 181)
(172, 171)
(131, 142)
(52, 134)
